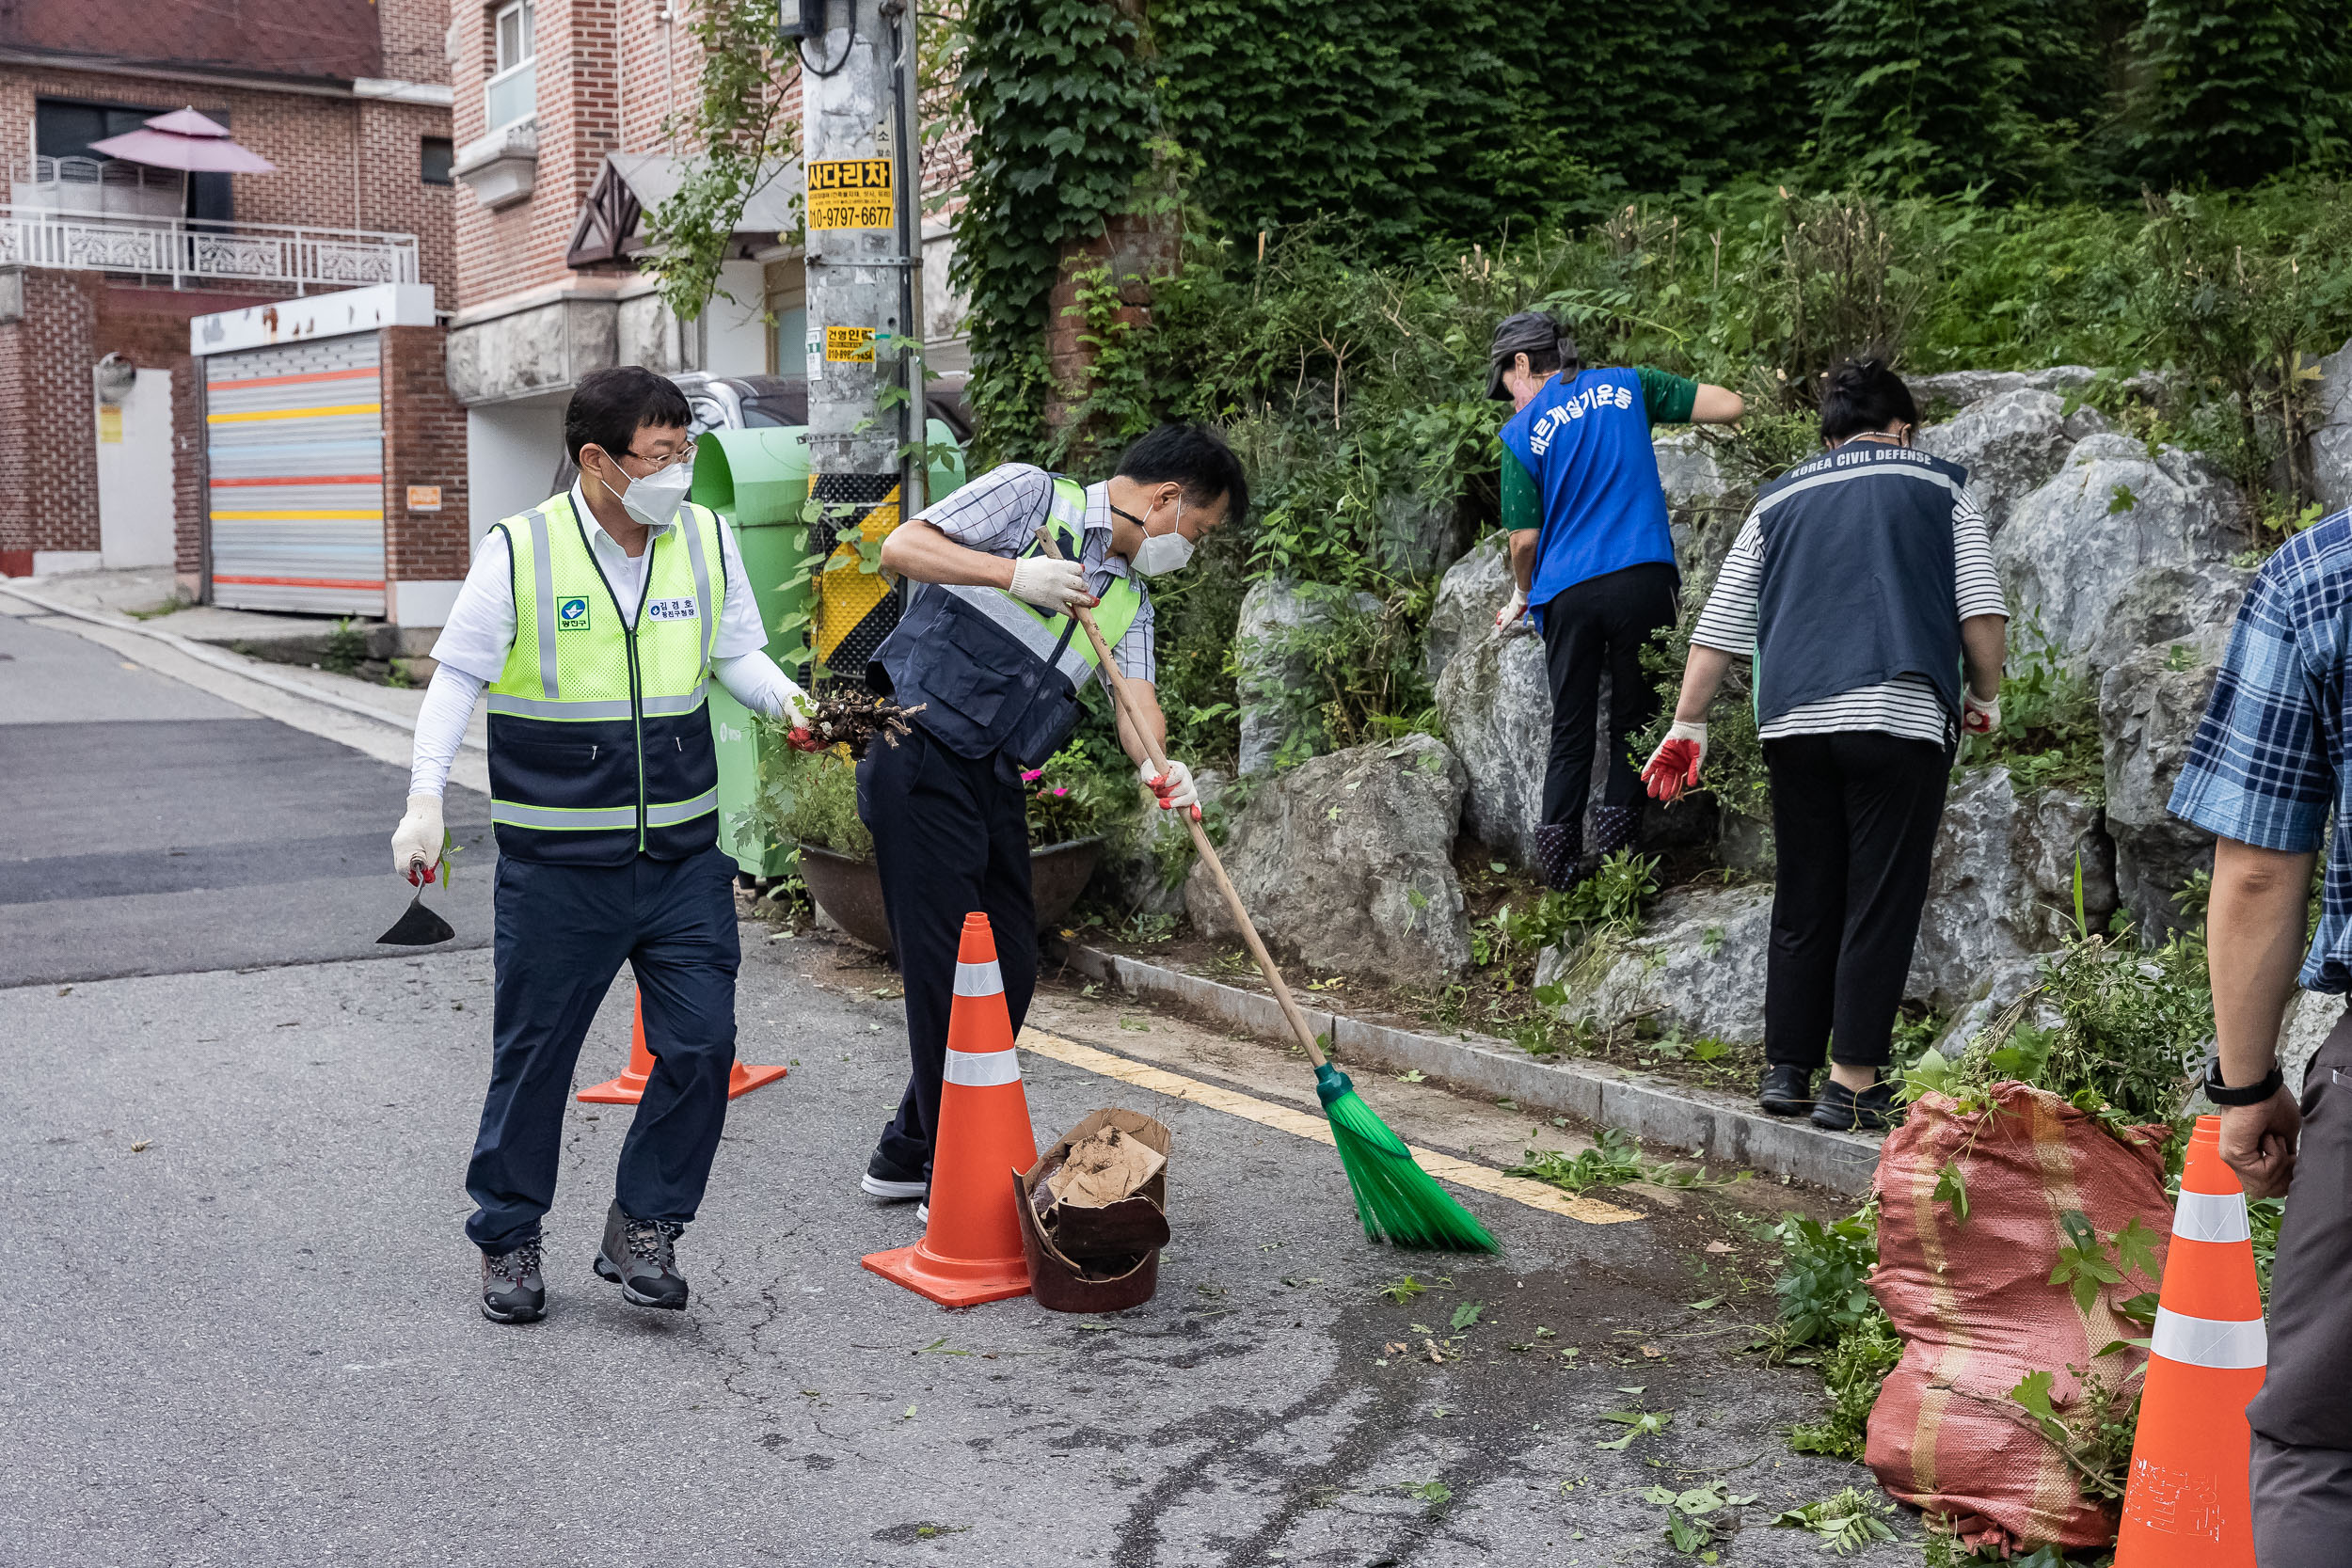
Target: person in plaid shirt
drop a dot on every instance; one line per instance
(2266, 767)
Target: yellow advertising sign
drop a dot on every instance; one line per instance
(850, 345)
(850, 192)
(111, 422)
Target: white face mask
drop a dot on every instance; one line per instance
(654, 499)
(1160, 553)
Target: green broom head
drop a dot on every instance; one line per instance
(1395, 1197)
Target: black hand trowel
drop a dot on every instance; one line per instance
(418, 927)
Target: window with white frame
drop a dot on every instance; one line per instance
(513, 92)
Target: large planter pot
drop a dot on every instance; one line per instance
(849, 890)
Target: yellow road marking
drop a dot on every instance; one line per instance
(1283, 1118)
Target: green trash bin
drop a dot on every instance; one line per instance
(758, 479)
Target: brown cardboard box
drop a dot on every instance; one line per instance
(1095, 1250)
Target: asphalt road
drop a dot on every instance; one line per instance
(155, 828)
(243, 1328)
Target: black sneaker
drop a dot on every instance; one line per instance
(892, 1183)
(641, 1256)
(511, 1291)
(1786, 1089)
(1842, 1110)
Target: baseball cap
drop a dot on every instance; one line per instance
(1532, 333)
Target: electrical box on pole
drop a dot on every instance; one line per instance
(865, 333)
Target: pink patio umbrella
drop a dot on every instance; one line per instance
(186, 141)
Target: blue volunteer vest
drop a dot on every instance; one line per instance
(600, 745)
(1858, 584)
(1587, 439)
(991, 673)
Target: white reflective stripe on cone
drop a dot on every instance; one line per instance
(980, 980)
(987, 1070)
(2224, 1346)
(2211, 1217)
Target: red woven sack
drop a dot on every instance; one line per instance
(1975, 1310)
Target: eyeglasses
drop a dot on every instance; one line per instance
(684, 454)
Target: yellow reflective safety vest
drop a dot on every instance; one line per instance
(600, 745)
(994, 674)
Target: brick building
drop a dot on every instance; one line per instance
(563, 111)
(104, 265)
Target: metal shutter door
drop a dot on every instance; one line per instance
(294, 439)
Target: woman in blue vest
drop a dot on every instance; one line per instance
(595, 621)
(1591, 556)
(989, 650)
(1861, 583)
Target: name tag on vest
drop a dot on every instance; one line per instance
(671, 609)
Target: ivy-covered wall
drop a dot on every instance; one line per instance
(1397, 125)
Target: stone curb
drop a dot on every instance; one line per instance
(1713, 1126)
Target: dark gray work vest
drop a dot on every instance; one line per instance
(1858, 584)
(992, 676)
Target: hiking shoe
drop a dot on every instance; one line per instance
(923, 1212)
(1786, 1089)
(511, 1291)
(1841, 1110)
(892, 1183)
(641, 1256)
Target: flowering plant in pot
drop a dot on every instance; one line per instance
(811, 800)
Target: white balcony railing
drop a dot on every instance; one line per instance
(299, 258)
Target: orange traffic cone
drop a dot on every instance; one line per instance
(2185, 1505)
(971, 1252)
(629, 1087)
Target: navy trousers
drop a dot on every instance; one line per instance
(562, 933)
(951, 835)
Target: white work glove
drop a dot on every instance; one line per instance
(1675, 766)
(1174, 787)
(1980, 716)
(418, 838)
(1054, 586)
(1511, 619)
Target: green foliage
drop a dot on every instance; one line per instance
(2232, 91)
(1611, 898)
(1851, 1372)
(1361, 675)
(737, 121)
(1930, 95)
(806, 800)
(1690, 1522)
(1062, 107)
(2049, 733)
(1821, 1285)
(2088, 1264)
(1846, 1523)
(1075, 795)
(2093, 1432)
(346, 648)
(1611, 1163)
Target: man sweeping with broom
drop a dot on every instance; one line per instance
(996, 665)
(987, 651)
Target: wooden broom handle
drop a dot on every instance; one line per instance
(1125, 701)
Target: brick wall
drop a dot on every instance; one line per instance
(424, 443)
(49, 421)
(610, 75)
(343, 162)
(413, 32)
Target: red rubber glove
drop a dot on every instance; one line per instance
(801, 741)
(1675, 766)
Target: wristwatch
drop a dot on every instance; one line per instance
(2252, 1094)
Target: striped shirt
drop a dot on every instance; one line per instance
(999, 514)
(1907, 706)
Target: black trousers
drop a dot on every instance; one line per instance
(1854, 814)
(562, 932)
(2302, 1418)
(1597, 625)
(951, 835)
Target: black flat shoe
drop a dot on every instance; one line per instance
(1841, 1110)
(1787, 1090)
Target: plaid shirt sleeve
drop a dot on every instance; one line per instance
(2258, 770)
(997, 512)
